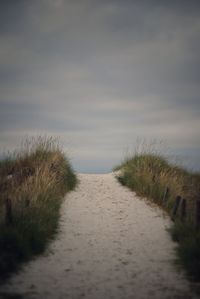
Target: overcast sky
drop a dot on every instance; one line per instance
(99, 74)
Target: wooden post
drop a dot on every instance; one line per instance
(197, 220)
(166, 195)
(183, 209)
(175, 208)
(27, 202)
(8, 215)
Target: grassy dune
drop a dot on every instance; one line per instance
(33, 182)
(148, 174)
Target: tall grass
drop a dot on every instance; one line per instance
(35, 180)
(148, 173)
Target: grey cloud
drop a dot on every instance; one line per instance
(100, 73)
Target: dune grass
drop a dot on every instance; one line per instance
(148, 173)
(34, 180)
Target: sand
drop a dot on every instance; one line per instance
(111, 244)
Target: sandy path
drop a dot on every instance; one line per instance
(111, 245)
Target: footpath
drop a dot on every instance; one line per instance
(111, 244)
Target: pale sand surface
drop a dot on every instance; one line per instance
(111, 245)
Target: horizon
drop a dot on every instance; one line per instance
(100, 74)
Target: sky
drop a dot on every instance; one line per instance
(100, 74)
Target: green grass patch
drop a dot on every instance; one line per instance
(189, 248)
(35, 180)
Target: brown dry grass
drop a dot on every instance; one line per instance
(35, 180)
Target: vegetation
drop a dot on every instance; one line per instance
(188, 238)
(33, 182)
(148, 173)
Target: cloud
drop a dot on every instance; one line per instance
(99, 74)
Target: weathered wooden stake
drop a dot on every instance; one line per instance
(27, 202)
(197, 220)
(175, 208)
(183, 209)
(166, 195)
(8, 215)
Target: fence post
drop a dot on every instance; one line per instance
(183, 209)
(166, 194)
(175, 208)
(8, 215)
(27, 202)
(197, 220)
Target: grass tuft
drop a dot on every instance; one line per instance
(35, 180)
(148, 173)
